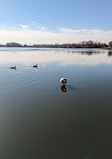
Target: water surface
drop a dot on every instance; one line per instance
(40, 119)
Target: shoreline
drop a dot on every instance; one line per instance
(108, 48)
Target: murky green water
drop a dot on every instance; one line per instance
(41, 120)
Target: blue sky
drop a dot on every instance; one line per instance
(52, 16)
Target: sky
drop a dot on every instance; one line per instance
(55, 21)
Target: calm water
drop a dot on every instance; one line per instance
(41, 120)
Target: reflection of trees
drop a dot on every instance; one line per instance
(86, 52)
(109, 53)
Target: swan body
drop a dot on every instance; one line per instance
(63, 81)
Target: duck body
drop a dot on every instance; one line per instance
(13, 67)
(35, 66)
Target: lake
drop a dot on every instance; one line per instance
(40, 119)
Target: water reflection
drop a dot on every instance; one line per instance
(40, 117)
(72, 88)
(86, 52)
(63, 88)
(109, 53)
(63, 57)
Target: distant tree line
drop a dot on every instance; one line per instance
(83, 44)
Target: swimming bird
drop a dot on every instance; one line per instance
(14, 67)
(35, 65)
(63, 81)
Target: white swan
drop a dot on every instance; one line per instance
(63, 81)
